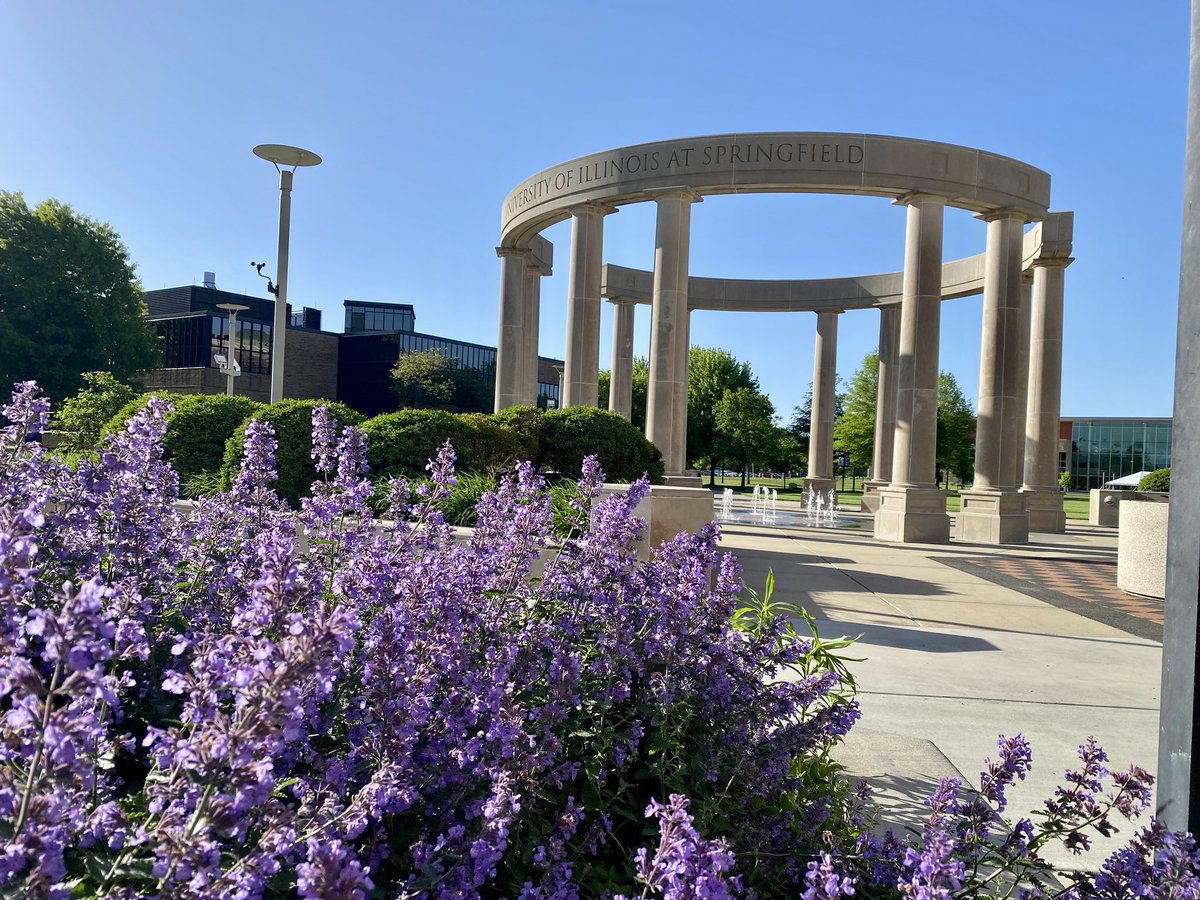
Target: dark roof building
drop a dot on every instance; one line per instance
(353, 367)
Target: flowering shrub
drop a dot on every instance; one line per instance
(246, 700)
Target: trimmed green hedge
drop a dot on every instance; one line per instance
(622, 451)
(197, 429)
(401, 444)
(132, 408)
(1158, 480)
(292, 421)
(529, 427)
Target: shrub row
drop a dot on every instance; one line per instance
(205, 434)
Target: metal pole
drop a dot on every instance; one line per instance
(1178, 799)
(232, 352)
(280, 325)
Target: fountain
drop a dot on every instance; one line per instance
(819, 511)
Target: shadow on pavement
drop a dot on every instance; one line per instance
(906, 638)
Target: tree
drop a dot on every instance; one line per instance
(745, 424)
(82, 417)
(711, 373)
(641, 390)
(854, 432)
(783, 453)
(429, 379)
(801, 424)
(69, 299)
(955, 431)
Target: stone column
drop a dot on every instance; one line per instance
(1043, 497)
(583, 305)
(683, 338)
(993, 511)
(885, 408)
(911, 508)
(510, 347)
(820, 432)
(533, 310)
(620, 385)
(669, 326)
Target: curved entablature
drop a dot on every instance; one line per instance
(776, 162)
(1048, 240)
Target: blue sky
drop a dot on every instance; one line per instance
(143, 114)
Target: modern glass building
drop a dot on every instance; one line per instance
(369, 349)
(354, 367)
(1104, 449)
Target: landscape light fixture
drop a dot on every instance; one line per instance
(228, 363)
(282, 157)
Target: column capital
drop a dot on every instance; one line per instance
(998, 215)
(1051, 262)
(829, 312)
(621, 301)
(919, 198)
(599, 209)
(683, 192)
(503, 252)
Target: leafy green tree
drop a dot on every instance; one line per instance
(82, 417)
(955, 431)
(712, 372)
(783, 453)
(428, 379)
(745, 423)
(69, 300)
(1064, 480)
(854, 432)
(641, 390)
(801, 423)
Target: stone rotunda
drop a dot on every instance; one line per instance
(1020, 275)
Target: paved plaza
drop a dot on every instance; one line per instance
(961, 642)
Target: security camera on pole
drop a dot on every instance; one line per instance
(229, 364)
(282, 155)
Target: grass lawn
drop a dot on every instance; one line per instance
(1075, 505)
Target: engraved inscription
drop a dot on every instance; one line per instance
(720, 156)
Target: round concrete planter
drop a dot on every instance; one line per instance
(1142, 548)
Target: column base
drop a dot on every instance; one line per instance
(1046, 514)
(912, 515)
(822, 484)
(684, 479)
(993, 517)
(870, 496)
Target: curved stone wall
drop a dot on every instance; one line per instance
(771, 162)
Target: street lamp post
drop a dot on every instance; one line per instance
(282, 155)
(231, 368)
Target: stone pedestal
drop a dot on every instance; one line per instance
(1103, 506)
(912, 515)
(688, 479)
(870, 496)
(1046, 514)
(820, 484)
(1142, 548)
(668, 509)
(988, 516)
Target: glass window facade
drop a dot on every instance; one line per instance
(364, 317)
(253, 343)
(1104, 449)
(185, 342)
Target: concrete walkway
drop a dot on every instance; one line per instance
(951, 660)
